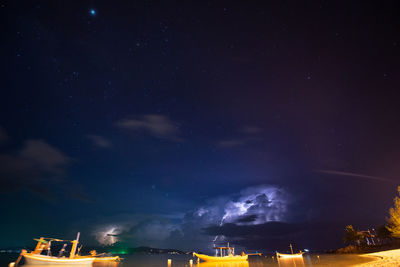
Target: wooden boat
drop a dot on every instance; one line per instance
(219, 258)
(227, 254)
(223, 264)
(104, 259)
(100, 257)
(36, 258)
(293, 255)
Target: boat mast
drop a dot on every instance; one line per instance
(74, 246)
(291, 248)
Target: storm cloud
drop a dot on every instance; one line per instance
(251, 208)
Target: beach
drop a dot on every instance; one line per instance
(384, 258)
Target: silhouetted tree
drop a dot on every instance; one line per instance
(351, 235)
(394, 220)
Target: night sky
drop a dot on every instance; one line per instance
(175, 124)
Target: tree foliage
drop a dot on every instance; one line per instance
(394, 220)
(351, 235)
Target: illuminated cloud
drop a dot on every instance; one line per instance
(156, 125)
(252, 207)
(257, 205)
(108, 235)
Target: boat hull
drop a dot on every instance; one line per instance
(103, 259)
(48, 260)
(297, 255)
(223, 259)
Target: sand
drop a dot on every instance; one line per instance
(384, 258)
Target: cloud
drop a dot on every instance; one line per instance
(39, 168)
(195, 229)
(35, 162)
(135, 229)
(253, 206)
(109, 234)
(256, 218)
(44, 156)
(249, 135)
(158, 126)
(99, 141)
(261, 203)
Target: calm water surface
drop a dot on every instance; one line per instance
(183, 261)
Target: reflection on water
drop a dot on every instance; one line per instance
(184, 261)
(105, 264)
(96, 264)
(290, 262)
(224, 264)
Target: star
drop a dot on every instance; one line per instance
(92, 12)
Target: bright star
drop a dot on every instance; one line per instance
(92, 12)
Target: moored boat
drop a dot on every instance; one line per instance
(293, 255)
(296, 255)
(101, 257)
(44, 244)
(227, 254)
(223, 258)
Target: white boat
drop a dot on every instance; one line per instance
(293, 255)
(36, 258)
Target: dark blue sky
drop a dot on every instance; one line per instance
(171, 123)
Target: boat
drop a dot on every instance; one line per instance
(36, 258)
(293, 255)
(219, 258)
(101, 257)
(223, 264)
(227, 254)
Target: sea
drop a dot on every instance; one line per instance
(161, 260)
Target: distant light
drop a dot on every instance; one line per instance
(306, 250)
(92, 12)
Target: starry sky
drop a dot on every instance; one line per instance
(188, 124)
